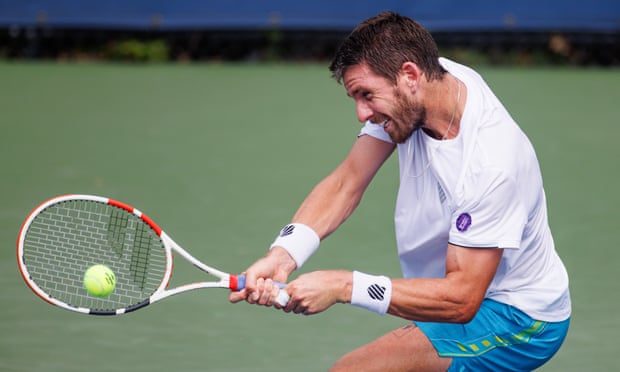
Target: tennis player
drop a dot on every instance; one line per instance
(482, 282)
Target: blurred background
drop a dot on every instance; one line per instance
(575, 32)
(216, 117)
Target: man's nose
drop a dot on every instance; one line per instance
(364, 112)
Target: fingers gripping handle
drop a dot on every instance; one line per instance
(237, 283)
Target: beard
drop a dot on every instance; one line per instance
(409, 116)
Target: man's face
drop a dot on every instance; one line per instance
(383, 103)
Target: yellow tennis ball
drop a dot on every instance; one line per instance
(99, 280)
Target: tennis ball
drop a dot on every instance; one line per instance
(99, 281)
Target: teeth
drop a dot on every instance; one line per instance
(383, 123)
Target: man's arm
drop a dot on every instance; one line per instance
(327, 206)
(333, 200)
(454, 298)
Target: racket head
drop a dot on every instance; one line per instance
(64, 236)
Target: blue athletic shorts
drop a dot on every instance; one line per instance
(499, 338)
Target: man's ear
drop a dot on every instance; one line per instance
(411, 75)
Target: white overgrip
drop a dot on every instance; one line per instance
(282, 298)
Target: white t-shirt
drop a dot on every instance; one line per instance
(481, 189)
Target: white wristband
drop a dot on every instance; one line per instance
(299, 240)
(371, 292)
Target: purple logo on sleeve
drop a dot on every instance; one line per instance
(463, 222)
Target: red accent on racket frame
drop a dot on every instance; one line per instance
(143, 216)
(151, 223)
(121, 205)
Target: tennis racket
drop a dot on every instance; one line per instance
(64, 236)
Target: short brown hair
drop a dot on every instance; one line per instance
(384, 42)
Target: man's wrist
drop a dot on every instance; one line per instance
(371, 292)
(299, 240)
(284, 259)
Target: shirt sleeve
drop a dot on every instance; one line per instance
(491, 214)
(376, 131)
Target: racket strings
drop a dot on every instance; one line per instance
(65, 239)
(140, 256)
(118, 222)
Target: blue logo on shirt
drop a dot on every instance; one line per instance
(463, 222)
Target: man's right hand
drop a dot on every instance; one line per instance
(259, 289)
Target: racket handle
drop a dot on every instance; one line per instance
(240, 283)
(237, 283)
